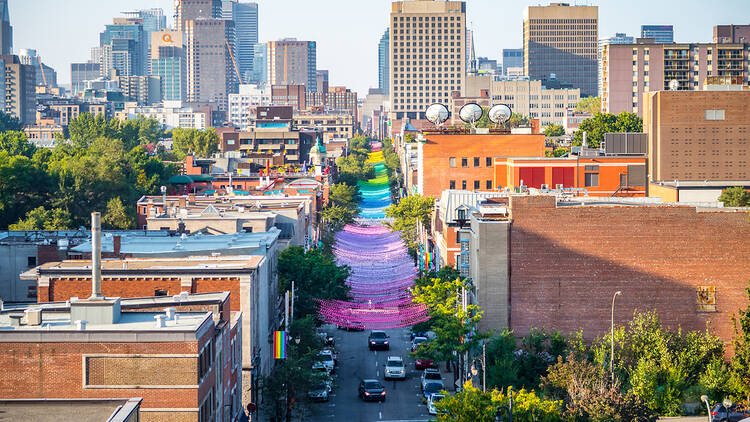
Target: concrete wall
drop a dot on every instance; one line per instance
(14, 259)
(490, 271)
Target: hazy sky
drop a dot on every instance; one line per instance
(348, 31)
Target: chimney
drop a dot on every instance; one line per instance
(116, 243)
(96, 257)
(170, 312)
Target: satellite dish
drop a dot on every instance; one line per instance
(500, 114)
(437, 114)
(674, 85)
(470, 113)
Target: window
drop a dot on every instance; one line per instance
(476, 161)
(706, 298)
(205, 359)
(31, 261)
(476, 185)
(592, 179)
(489, 185)
(452, 184)
(463, 184)
(464, 162)
(488, 161)
(452, 161)
(160, 292)
(714, 114)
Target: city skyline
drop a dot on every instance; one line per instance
(358, 70)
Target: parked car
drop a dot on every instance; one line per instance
(321, 369)
(318, 392)
(394, 368)
(416, 342)
(733, 414)
(331, 351)
(326, 339)
(431, 409)
(371, 390)
(432, 388)
(417, 334)
(378, 340)
(326, 359)
(424, 364)
(431, 375)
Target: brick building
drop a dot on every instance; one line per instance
(184, 364)
(558, 262)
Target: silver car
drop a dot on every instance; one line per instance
(394, 368)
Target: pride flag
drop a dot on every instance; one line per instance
(279, 345)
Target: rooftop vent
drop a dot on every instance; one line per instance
(33, 316)
(80, 325)
(170, 312)
(159, 321)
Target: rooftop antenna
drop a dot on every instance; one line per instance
(437, 114)
(499, 114)
(471, 113)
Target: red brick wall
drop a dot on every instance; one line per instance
(231, 285)
(63, 289)
(567, 262)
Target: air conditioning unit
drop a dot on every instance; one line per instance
(545, 186)
(559, 186)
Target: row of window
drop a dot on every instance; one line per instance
(477, 183)
(465, 162)
(426, 18)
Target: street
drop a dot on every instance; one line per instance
(356, 362)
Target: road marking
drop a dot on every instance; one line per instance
(378, 373)
(380, 414)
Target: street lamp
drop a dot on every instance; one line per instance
(475, 371)
(612, 337)
(704, 398)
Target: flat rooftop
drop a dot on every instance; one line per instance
(80, 410)
(201, 263)
(196, 244)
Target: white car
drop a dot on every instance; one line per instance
(394, 368)
(431, 403)
(326, 360)
(431, 375)
(416, 342)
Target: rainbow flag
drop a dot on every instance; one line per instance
(279, 345)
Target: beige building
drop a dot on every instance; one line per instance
(210, 73)
(334, 124)
(19, 89)
(630, 70)
(186, 10)
(698, 135)
(428, 54)
(561, 39)
(292, 62)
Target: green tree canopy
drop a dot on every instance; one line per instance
(337, 216)
(735, 196)
(202, 143)
(24, 185)
(592, 105)
(16, 143)
(9, 122)
(472, 405)
(43, 219)
(344, 195)
(117, 216)
(412, 209)
(554, 130)
(741, 343)
(602, 123)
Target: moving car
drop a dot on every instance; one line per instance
(431, 375)
(378, 340)
(394, 368)
(721, 414)
(371, 390)
(416, 342)
(319, 391)
(431, 388)
(424, 364)
(431, 409)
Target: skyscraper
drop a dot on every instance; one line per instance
(195, 9)
(245, 17)
(6, 32)
(153, 19)
(80, 72)
(662, 34)
(561, 40)
(512, 58)
(414, 88)
(169, 64)
(210, 72)
(45, 75)
(619, 38)
(383, 60)
(118, 36)
(260, 63)
(20, 91)
(292, 62)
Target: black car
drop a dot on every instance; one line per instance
(371, 390)
(378, 340)
(721, 414)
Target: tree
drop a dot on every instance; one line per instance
(16, 143)
(43, 219)
(353, 168)
(316, 276)
(337, 216)
(741, 344)
(412, 210)
(24, 186)
(343, 195)
(554, 130)
(117, 217)
(592, 105)
(8, 122)
(473, 405)
(85, 128)
(602, 123)
(517, 120)
(735, 196)
(202, 143)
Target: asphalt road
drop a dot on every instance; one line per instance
(357, 362)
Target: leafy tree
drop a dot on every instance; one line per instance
(473, 405)
(316, 276)
(43, 219)
(85, 128)
(8, 122)
(741, 343)
(735, 196)
(343, 195)
(16, 143)
(24, 185)
(337, 216)
(592, 105)
(353, 168)
(412, 210)
(554, 130)
(602, 123)
(202, 143)
(517, 120)
(117, 217)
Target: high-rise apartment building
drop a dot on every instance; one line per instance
(45, 75)
(561, 40)
(245, 17)
(732, 34)
(321, 80)
(80, 72)
(383, 60)
(512, 59)
(143, 90)
(6, 31)
(186, 10)
(663, 34)
(619, 38)
(153, 19)
(260, 63)
(292, 62)
(20, 89)
(210, 72)
(630, 70)
(428, 54)
(125, 36)
(168, 62)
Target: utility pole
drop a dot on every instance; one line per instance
(286, 311)
(292, 299)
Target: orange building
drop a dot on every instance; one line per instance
(465, 161)
(599, 176)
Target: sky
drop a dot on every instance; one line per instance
(348, 31)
